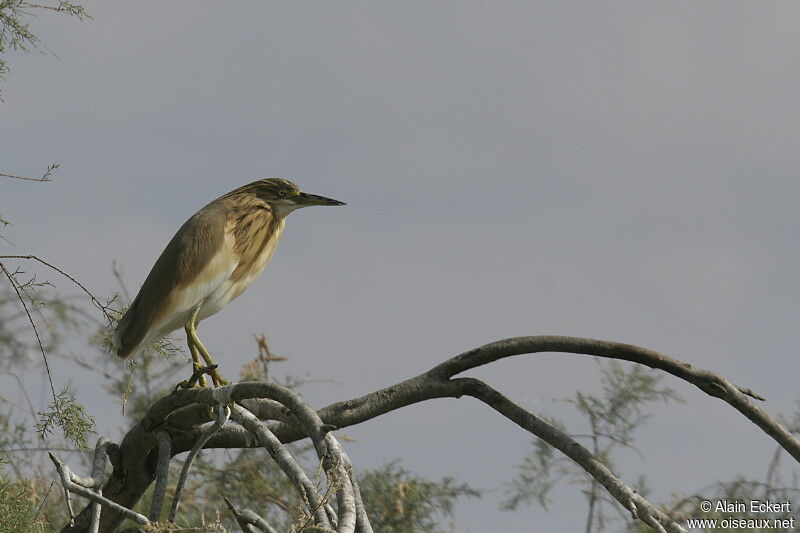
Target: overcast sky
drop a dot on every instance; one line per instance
(621, 170)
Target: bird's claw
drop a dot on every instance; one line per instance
(198, 378)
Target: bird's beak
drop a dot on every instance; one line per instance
(312, 199)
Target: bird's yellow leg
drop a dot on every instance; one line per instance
(191, 333)
(195, 357)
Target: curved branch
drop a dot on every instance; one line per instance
(423, 387)
(626, 496)
(179, 414)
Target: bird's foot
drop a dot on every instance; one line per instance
(198, 378)
(216, 377)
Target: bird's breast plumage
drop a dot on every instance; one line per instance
(255, 237)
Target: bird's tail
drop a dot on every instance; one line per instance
(116, 340)
(120, 340)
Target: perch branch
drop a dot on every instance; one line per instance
(131, 475)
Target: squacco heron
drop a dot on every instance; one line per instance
(211, 260)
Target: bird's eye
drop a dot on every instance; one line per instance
(281, 193)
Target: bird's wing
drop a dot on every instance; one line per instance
(197, 260)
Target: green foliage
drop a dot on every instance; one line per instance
(612, 418)
(398, 501)
(70, 416)
(15, 31)
(615, 415)
(537, 474)
(19, 506)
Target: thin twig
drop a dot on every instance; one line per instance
(95, 301)
(43, 178)
(38, 340)
(118, 275)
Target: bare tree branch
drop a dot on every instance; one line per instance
(350, 516)
(44, 177)
(181, 414)
(248, 520)
(285, 461)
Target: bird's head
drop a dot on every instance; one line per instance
(284, 196)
